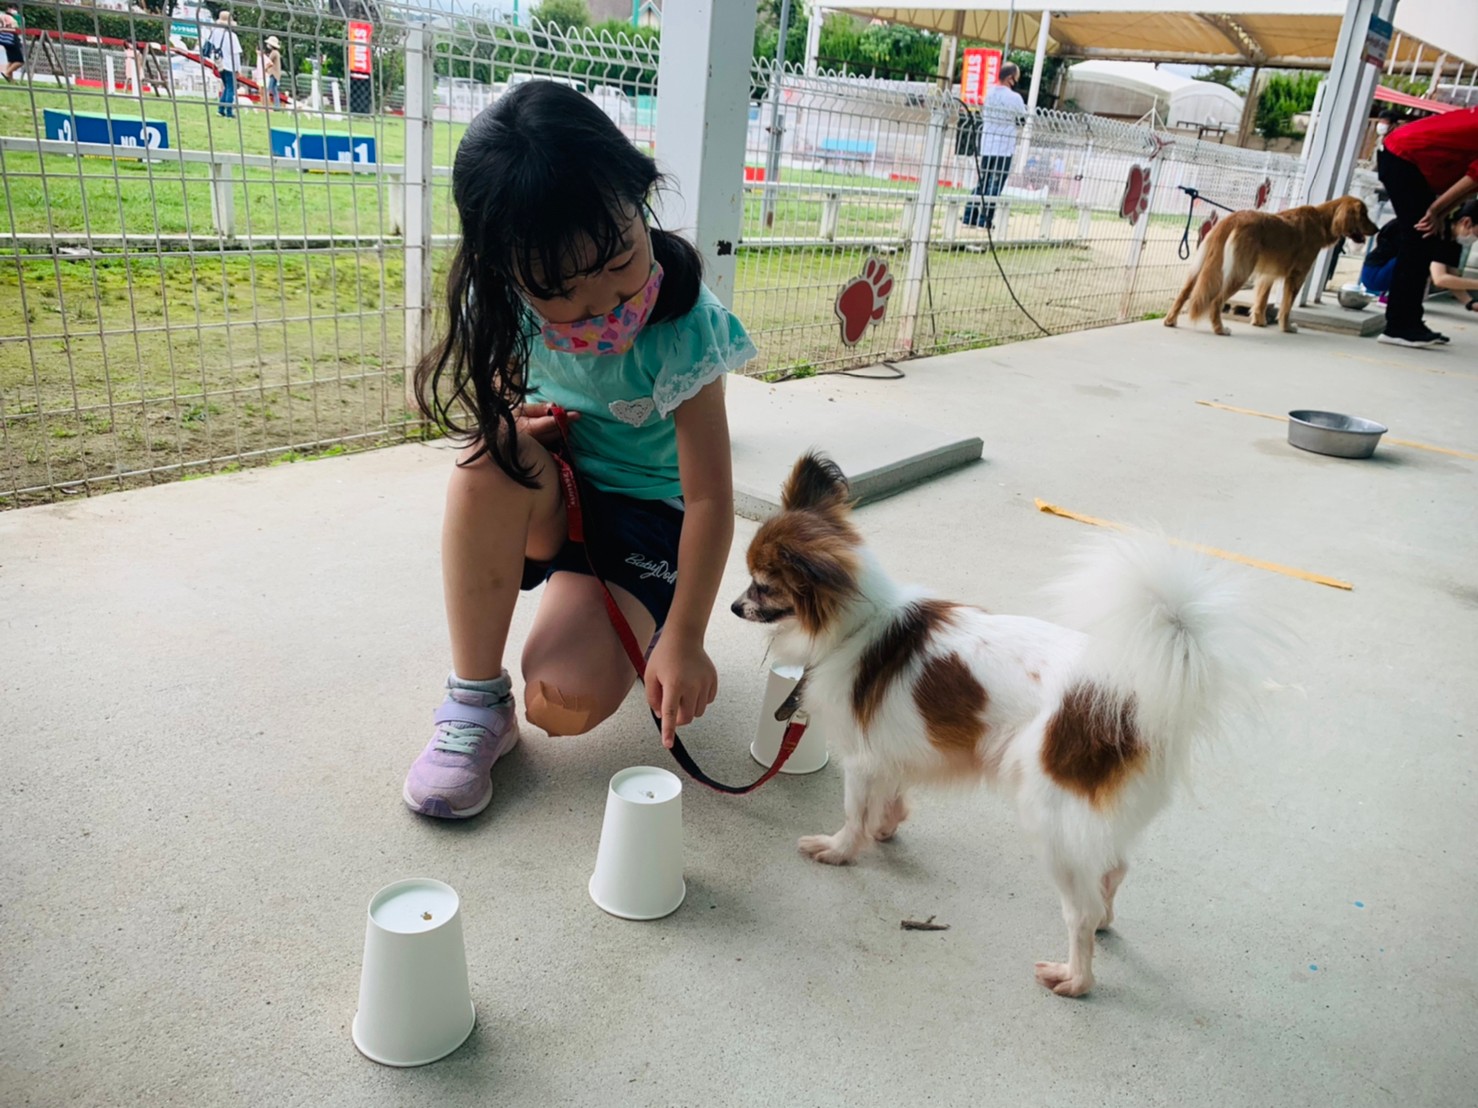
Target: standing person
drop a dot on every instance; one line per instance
(11, 26)
(272, 71)
(1426, 167)
(1000, 117)
(564, 291)
(226, 50)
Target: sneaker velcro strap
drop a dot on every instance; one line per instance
(454, 711)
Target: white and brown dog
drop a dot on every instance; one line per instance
(1088, 729)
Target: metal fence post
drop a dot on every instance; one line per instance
(923, 222)
(222, 200)
(419, 99)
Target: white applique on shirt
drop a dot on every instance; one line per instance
(633, 412)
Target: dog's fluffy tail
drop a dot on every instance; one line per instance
(1219, 272)
(1175, 630)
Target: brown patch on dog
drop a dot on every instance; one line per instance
(886, 657)
(808, 560)
(1035, 676)
(1092, 745)
(952, 702)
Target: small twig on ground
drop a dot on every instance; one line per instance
(922, 925)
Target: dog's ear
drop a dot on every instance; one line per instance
(816, 484)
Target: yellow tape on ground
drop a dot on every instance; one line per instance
(1393, 442)
(1231, 556)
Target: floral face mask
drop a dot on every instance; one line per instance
(612, 333)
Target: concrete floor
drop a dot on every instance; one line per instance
(210, 691)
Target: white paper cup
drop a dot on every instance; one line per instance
(810, 753)
(639, 865)
(414, 1002)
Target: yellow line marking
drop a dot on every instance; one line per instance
(1394, 442)
(1402, 365)
(1231, 556)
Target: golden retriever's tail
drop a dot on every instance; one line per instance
(1220, 271)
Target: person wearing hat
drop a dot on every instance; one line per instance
(272, 71)
(226, 50)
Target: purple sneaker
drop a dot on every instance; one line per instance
(452, 779)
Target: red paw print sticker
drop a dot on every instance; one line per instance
(1136, 194)
(1264, 192)
(1206, 229)
(864, 300)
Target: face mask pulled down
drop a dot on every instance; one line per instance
(612, 333)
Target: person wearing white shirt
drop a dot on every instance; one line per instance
(225, 51)
(1000, 117)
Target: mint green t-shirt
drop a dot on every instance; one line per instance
(625, 440)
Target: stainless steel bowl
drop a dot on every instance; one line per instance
(1339, 436)
(1353, 297)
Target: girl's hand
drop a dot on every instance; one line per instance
(1429, 223)
(535, 421)
(681, 684)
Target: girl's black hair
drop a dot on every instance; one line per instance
(1468, 211)
(539, 178)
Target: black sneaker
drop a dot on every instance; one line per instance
(1437, 337)
(1415, 339)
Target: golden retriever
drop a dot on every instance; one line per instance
(1272, 246)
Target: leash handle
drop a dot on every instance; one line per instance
(570, 491)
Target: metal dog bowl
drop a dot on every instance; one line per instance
(1339, 436)
(1354, 297)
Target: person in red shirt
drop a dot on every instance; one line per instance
(1426, 167)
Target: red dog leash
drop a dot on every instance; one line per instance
(570, 491)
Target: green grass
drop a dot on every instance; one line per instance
(192, 362)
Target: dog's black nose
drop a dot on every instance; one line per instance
(737, 608)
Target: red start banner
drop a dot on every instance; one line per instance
(359, 47)
(982, 69)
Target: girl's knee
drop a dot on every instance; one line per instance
(561, 713)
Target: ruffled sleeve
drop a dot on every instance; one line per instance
(710, 342)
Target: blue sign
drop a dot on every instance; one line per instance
(315, 146)
(105, 130)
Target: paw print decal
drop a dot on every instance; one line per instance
(864, 300)
(1264, 192)
(1136, 194)
(1206, 229)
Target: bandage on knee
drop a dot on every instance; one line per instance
(556, 712)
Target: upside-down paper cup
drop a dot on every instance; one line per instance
(810, 753)
(639, 864)
(414, 1002)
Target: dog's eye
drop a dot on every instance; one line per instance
(760, 589)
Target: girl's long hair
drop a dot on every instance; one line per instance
(540, 178)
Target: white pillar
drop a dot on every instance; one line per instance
(1437, 69)
(702, 119)
(1347, 97)
(1395, 51)
(813, 37)
(1041, 58)
(416, 222)
(949, 52)
(1416, 61)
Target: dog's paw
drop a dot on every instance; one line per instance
(1290, 328)
(1054, 976)
(1168, 321)
(823, 848)
(1222, 331)
(1258, 322)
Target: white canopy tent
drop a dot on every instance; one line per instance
(1132, 90)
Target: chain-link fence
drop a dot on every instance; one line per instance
(195, 277)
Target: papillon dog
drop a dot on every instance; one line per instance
(1088, 728)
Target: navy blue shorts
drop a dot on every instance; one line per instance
(633, 544)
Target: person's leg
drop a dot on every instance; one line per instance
(994, 181)
(1410, 196)
(575, 670)
(491, 525)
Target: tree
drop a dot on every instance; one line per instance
(1228, 75)
(1284, 96)
(565, 14)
